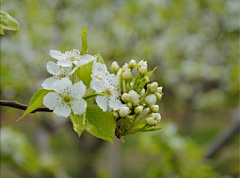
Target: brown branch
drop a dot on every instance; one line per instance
(14, 104)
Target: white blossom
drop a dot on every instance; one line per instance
(66, 98)
(134, 97)
(155, 108)
(157, 116)
(123, 112)
(71, 57)
(142, 63)
(138, 110)
(104, 82)
(151, 99)
(58, 73)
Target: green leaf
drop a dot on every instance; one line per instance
(153, 128)
(1, 31)
(7, 22)
(100, 59)
(78, 123)
(149, 74)
(36, 101)
(84, 73)
(100, 124)
(84, 41)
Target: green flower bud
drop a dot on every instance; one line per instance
(115, 66)
(127, 74)
(132, 63)
(153, 87)
(154, 108)
(115, 115)
(138, 110)
(129, 105)
(126, 97)
(159, 96)
(159, 89)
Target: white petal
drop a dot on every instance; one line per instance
(78, 90)
(57, 55)
(62, 110)
(53, 68)
(62, 86)
(87, 57)
(52, 100)
(111, 81)
(78, 106)
(97, 85)
(102, 102)
(115, 104)
(65, 63)
(99, 69)
(48, 83)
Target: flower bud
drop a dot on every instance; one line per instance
(138, 110)
(123, 112)
(142, 92)
(151, 99)
(155, 108)
(127, 74)
(125, 66)
(129, 105)
(134, 97)
(159, 89)
(159, 96)
(115, 66)
(143, 70)
(126, 97)
(142, 63)
(150, 121)
(157, 116)
(115, 115)
(153, 87)
(145, 111)
(132, 63)
(146, 79)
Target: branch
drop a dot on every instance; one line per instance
(14, 104)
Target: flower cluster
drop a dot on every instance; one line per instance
(100, 102)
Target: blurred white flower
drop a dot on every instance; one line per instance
(66, 97)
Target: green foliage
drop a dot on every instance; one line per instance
(100, 59)
(84, 73)
(99, 123)
(84, 41)
(78, 123)
(36, 101)
(7, 22)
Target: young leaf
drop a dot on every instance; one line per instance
(84, 73)
(100, 124)
(78, 123)
(84, 41)
(7, 22)
(153, 128)
(100, 59)
(149, 74)
(36, 101)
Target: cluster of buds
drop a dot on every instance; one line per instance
(139, 111)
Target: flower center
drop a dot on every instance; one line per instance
(67, 99)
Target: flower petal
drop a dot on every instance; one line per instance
(115, 104)
(78, 90)
(48, 83)
(102, 102)
(78, 106)
(53, 68)
(62, 110)
(97, 85)
(57, 55)
(62, 86)
(65, 63)
(52, 100)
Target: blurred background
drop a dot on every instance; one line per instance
(195, 45)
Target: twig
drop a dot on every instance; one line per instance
(14, 104)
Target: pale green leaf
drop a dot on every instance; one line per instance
(78, 123)
(84, 41)
(36, 101)
(100, 59)
(149, 74)
(100, 124)
(7, 22)
(84, 73)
